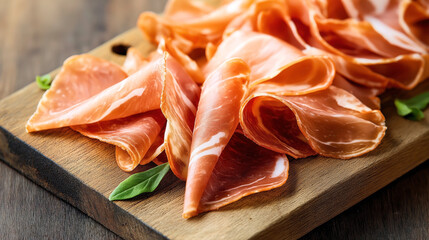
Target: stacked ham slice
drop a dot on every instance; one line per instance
(232, 90)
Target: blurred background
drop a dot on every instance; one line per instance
(37, 36)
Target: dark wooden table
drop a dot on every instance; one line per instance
(36, 37)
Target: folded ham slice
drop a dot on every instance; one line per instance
(332, 122)
(224, 165)
(87, 79)
(243, 168)
(180, 97)
(215, 123)
(275, 63)
(132, 136)
(80, 78)
(68, 102)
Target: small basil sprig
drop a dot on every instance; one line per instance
(44, 82)
(139, 183)
(412, 108)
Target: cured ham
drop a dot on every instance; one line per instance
(243, 168)
(275, 63)
(132, 136)
(80, 78)
(215, 123)
(232, 89)
(140, 92)
(180, 97)
(332, 122)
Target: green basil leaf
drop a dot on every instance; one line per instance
(412, 108)
(44, 82)
(139, 183)
(402, 108)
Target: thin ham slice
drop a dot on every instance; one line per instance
(80, 78)
(87, 77)
(132, 136)
(332, 122)
(215, 123)
(69, 103)
(243, 168)
(160, 159)
(179, 102)
(275, 62)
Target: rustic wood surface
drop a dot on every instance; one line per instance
(35, 37)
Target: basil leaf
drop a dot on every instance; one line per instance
(44, 82)
(412, 108)
(139, 183)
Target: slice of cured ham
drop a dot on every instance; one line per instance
(132, 136)
(140, 92)
(332, 122)
(243, 168)
(275, 62)
(80, 78)
(180, 97)
(215, 123)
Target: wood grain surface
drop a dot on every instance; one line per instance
(35, 37)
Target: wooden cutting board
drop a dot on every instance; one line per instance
(83, 172)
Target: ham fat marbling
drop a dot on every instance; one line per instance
(233, 89)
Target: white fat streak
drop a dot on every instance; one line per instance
(279, 168)
(185, 98)
(208, 148)
(135, 93)
(211, 151)
(215, 139)
(189, 104)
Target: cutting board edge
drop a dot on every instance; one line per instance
(49, 175)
